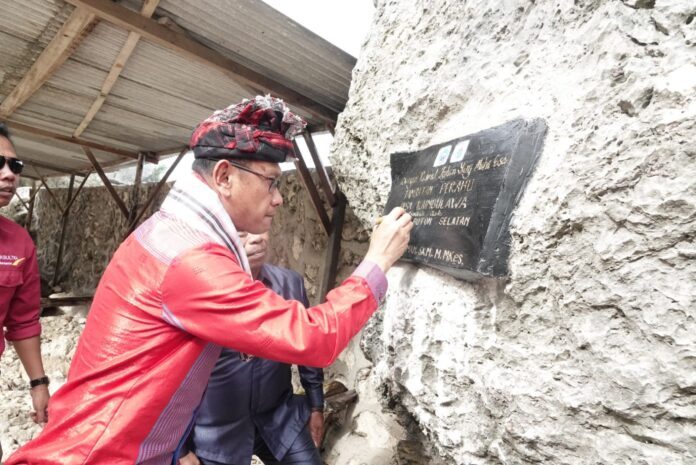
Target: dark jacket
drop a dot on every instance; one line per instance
(244, 395)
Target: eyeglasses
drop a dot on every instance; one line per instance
(273, 182)
(16, 166)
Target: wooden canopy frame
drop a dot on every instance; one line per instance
(80, 23)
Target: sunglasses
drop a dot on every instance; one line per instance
(15, 165)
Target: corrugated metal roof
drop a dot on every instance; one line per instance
(26, 27)
(269, 42)
(52, 158)
(161, 94)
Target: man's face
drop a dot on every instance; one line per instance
(8, 180)
(256, 247)
(250, 204)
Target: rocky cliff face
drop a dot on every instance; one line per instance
(585, 354)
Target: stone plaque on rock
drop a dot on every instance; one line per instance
(462, 195)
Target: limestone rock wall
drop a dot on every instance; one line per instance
(586, 354)
(95, 229)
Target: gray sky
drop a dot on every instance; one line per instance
(344, 23)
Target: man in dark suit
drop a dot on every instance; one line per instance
(249, 407)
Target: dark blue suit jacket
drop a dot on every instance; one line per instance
(245, 395)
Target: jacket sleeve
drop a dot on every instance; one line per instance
(312, 380)
(22, 320)
(207, 294)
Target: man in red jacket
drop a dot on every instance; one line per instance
(20, 288)
(180, 288)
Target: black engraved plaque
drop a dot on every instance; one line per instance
(462, 195)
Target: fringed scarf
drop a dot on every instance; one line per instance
(195, 203)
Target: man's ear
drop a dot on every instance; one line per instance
(222, 176)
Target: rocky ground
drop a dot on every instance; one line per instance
(61, 331)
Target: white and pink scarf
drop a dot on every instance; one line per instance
(196, 204)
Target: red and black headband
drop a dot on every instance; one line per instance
(259, 129)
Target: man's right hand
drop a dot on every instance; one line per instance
(390, 238)
(189, 459)
(39, 399)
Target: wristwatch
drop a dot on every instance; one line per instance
(38, 382)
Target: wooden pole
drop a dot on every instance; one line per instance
(21, 200)
(333, 248)
(60, 301)
(154, 193)
(311, 189)
(77, 192)
(107, 183)
(32, 198)
(135, 193)
(52, 195)
(61, 244)
(147, 10)
(321, 171)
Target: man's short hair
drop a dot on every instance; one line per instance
(204, 166)
(5, 132)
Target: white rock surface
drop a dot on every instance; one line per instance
(585, 355)
(371, 433)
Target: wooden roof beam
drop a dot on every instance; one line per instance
(319, 167)
(77, 192)
(71, 140)
(33, 177)
(161, 153)
(109, 187)
(180, 43)
(47, 166)
(51, 194)
(66, 40)
(153, 194)
(311, 189)
(147, 10)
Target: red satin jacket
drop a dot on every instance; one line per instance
(167, 302)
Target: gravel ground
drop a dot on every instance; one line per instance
(59, 337)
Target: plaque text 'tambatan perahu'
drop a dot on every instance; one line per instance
(462, 195)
